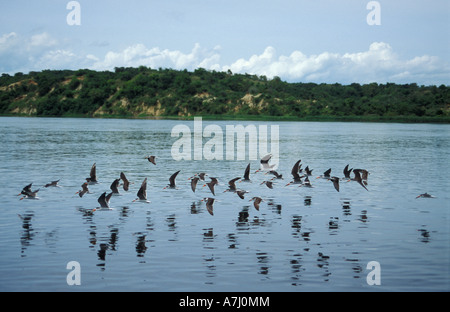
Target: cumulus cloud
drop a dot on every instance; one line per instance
(8, 41)
(42, 40)
(140, 55)
(378, 63)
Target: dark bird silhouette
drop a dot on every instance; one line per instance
(52, 183)
(364, 175)
(142, 193)
(308, 171)
(211, 185)
(93, 175)
(172, 180)
(151, 159)
(103, 200)
(306, 183)
(335, 181)
(28, 193)
(26, 189)
(209, 204)
(84, 189)
(115, 186)
(276, 174)
(241, 193)
(256, 202)
(194, 181)
(247, 173)
(295, 173)
(126, 183)
(232, 185)
(269, 184)
(347, 172)
(358, 179)
(425, 195)
(326, 174)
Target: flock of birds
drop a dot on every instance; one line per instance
(300, 177)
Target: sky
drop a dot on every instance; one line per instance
(320, 41)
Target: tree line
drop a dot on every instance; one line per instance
(145, 92)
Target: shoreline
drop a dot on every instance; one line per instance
(374, 119)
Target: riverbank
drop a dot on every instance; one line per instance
(385, 119)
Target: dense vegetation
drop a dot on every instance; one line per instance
(144, 92)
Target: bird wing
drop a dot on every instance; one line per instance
(172, 178)
(194, 183)
(232, 182)
(93, 172)
(335, 183)
(142, 193)
(294, 170)
(266, 159)
(102, 200)
(247, 173)
(209, 205)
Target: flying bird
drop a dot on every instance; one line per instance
(276, 174)
(364, 175)
(232, 185)
(26, 189)
(347, 172)
(172, 180)
(358, 179)
(28, 193)
(425, 195)
(52, 183)
(335, 181)
(142, 193)
(295, 174)
(93, 175)
(151, 159)
(241, 193)
(194, 181)
(306, 183)
(211, 185)
(103, 200)
(209, 204)
(115, 186)
(247, 173)
(265, 163)
(84, 189)
(126, 183)
(326, 174)
(269, 184)
(256, 202)
(308, 171)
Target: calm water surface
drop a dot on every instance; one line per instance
(301, 239)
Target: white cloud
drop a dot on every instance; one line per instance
(140, 55)
(379, 63)
(42, 40)
(7, 41)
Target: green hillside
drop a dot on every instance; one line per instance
(165, 93)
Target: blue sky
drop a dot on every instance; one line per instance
(298, 40)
